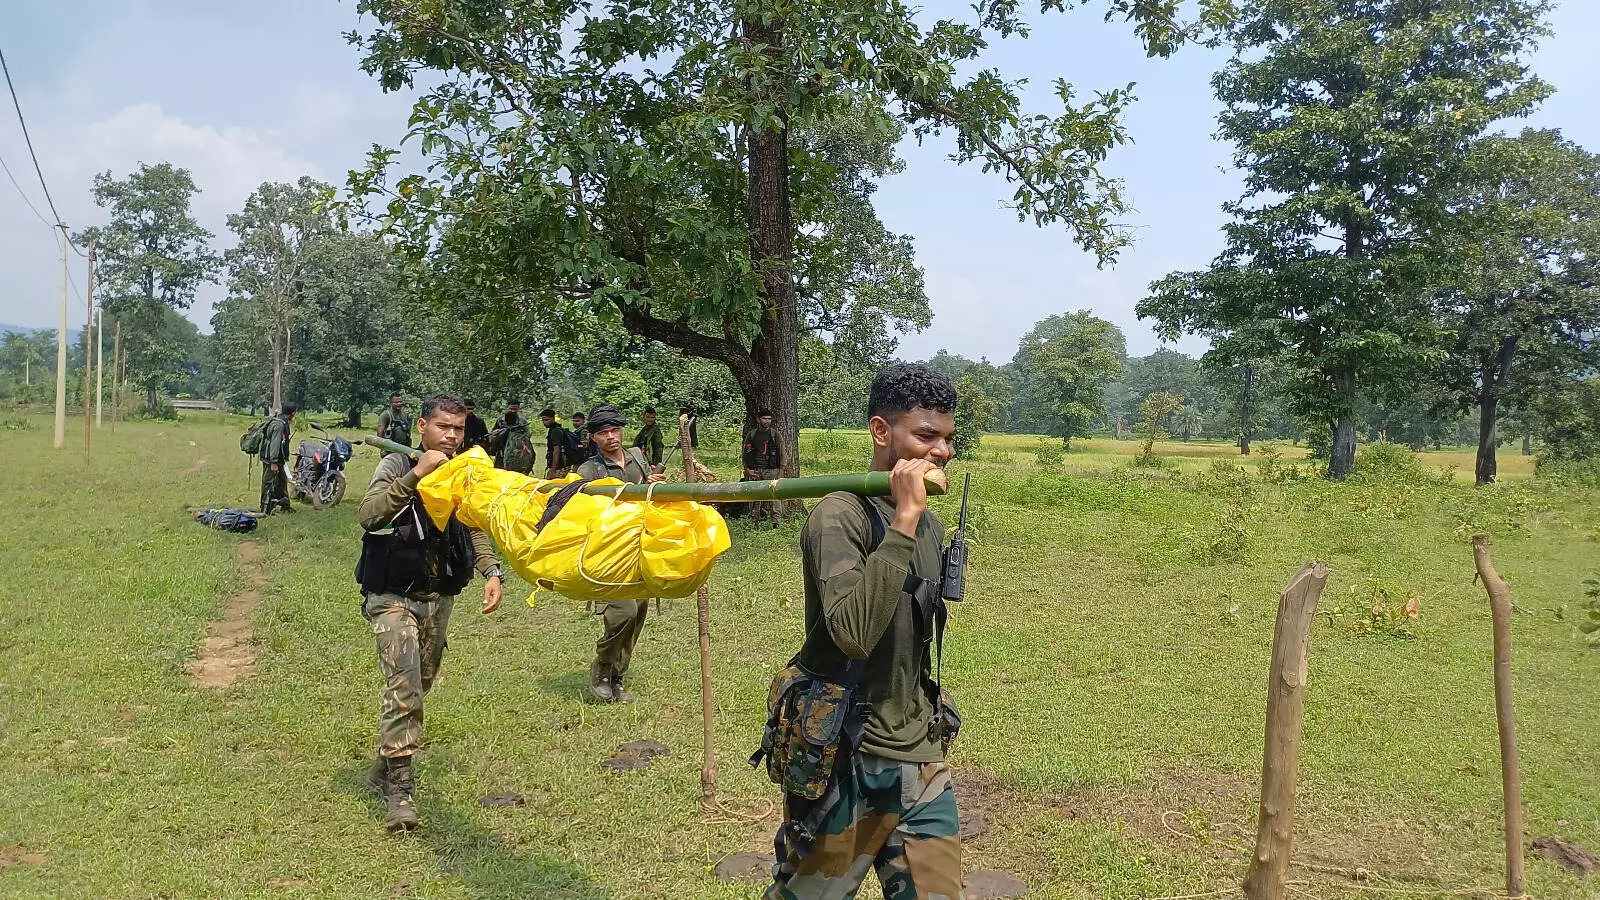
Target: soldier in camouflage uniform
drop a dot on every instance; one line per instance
(410, 573)
(891, 806)
(624, 619)
(274, 462)
(392, 422)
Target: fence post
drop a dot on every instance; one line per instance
(702, 601)
(1286, 705)
(1504, 712)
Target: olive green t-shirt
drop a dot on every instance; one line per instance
(634, 470)
(861, 599)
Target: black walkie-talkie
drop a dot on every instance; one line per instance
(954, 575)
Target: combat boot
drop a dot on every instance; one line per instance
(378, 777)
(618, 692)
(600, 682)
(401, 794)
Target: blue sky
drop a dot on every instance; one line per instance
(244, 92)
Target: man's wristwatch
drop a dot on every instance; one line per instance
(495, 573)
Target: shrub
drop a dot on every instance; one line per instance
(1050, 454)
(1390, 462)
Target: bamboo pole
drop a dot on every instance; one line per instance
(1286, 705)
(99, 367)
(1504, 712)
(702, 602)
(867, 484)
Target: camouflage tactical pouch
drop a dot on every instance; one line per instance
(811, 722)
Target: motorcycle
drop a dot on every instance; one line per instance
(318, 473)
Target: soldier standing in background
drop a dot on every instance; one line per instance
(274, 460)
(392, 422)
(648, 441)
(580, 446)
(476, 430)
(763, 458)
(511, 441)
(557, 465)
(624, 619)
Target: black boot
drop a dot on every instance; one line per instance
(378, 777)
(401, 792)
(618, 692)
(600, 682)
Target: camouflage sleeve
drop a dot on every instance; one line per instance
(483, 550)
(859, 591)
(393, 485)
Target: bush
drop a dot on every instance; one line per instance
(164, 411)
(1050, 454)
(1389, 462)
(16, 422)
(1585, 472)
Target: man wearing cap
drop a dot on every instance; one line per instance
(555, 445)
(648, 441)
(476, 430)
(763, 458)
(624, 619)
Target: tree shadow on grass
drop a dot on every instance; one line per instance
(480, 860)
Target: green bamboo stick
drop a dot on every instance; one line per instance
(867, 484)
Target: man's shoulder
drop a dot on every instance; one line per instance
(840, 509)
(392, 466)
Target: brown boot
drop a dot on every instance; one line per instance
(401, 792)
(377, 780)
(600, 682)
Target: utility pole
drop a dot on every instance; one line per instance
(99, 367)
(116, 373)
(88, 357)
(61, 351)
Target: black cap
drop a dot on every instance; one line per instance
(289, 408)
(763, 411)
(512, 402)
(605, 416)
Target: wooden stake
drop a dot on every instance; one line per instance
(1504, 713)
(702, 600)
(99, 368)
(88, 354)
(116, 372)
(61, 350)
(1286, 706)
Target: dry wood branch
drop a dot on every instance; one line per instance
(1504, 711)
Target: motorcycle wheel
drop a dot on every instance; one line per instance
(329, 492)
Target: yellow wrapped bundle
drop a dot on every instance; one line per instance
(595, 548)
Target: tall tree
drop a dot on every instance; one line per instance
(153, 256)
(654, 165)
(1526, 311)
(359, 334)
(1353, 121)
(277, 231)
(1065, 364)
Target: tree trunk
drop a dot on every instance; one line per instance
(1504, 712)
(1488, 436)
(150, 399)
(777, 352)
(1245, 398)
(1342, 454)
(1527, 444)
(352, 419)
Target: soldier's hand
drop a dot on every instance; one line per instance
(656, 478)
(910, 494)
(491, 595)
(430, 460)
(275, 467)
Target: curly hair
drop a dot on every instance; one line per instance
(903, 387)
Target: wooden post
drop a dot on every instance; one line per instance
(116, 374)
(1286, 705)
(1504, 712)
(99, 368)
(702, 600)
(88, 354)
(61, 350)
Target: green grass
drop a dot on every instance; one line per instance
(1109, 662)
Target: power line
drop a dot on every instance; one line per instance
(29, 140)
(23, 194)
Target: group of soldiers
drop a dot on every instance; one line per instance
(888, 804)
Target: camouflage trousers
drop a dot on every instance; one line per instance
(767, 509)
(411, 639)
(274, 487)
(624, 622)
(896, 818)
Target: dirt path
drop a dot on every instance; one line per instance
(226, 656)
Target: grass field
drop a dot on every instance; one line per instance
(1110, 664)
